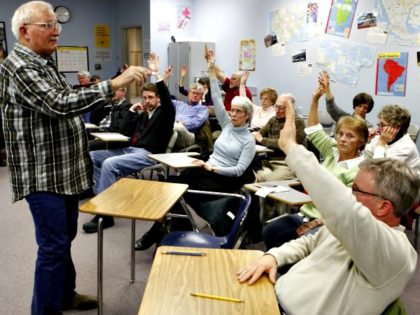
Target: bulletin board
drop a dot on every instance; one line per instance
(72, 58)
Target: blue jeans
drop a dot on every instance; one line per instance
(283, 230)
(111, 164)
(55, 218)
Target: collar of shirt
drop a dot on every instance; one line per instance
(348, 164)
(150, 114)
(27, 51)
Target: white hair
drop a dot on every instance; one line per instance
(26, 12)
(291, 98)
(83, 73)
(197, 86)
(246, 105)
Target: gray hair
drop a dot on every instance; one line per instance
(291, 98)
(26, 12)
(395, 181)
(397, 116)
(245, 103)
(83, 73)
(197, 86)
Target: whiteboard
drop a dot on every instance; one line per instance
(72, 58)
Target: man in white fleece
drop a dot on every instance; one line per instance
(360, 261)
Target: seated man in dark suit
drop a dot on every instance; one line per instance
(150, 127)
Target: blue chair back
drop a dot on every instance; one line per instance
(197, 239)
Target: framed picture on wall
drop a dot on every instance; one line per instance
(3, 42)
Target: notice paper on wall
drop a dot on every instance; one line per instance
(247, 55)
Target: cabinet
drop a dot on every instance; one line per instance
(190, 54)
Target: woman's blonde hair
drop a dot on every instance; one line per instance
(357, 124)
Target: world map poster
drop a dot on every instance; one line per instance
(391, 73)
(341, 17)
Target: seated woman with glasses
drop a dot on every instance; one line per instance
(392, 139)
(264, 112)
(228, 167)
(341, 157)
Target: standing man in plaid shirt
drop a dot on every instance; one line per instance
(46, 144)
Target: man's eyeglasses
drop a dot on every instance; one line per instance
(356, 189)
(48, 25)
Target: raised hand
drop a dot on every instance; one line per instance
(153, 61)
(287, 139)
(184, 71)
(167, 73)
(244, 77)
(324, 79)
(132, 73)
(319, 91)
(209, 55)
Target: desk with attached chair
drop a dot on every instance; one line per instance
(132, 199)
(175, 277)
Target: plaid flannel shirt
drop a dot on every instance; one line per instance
(45, 136)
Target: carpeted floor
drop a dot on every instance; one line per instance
(18, 251)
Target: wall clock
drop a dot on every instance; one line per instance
(63, 14)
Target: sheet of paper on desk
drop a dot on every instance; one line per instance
(110, 136)
(91, 126)
(265, 190)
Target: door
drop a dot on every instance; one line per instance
(134, 52)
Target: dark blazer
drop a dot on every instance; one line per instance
(151, 135)
(118, 114)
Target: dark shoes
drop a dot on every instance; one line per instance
(92, 225)
(154, 235)
(80, 302)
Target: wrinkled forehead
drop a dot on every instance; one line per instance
(195, 91)
(41, 13)
(236, 76)
(281, 101)
(148, 94)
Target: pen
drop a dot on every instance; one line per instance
(184, 253)
(217, 297)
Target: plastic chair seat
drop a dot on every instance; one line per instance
(232, 239)
(193, 239)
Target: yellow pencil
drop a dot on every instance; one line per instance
(217, 297)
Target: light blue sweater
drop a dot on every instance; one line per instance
(234, 149)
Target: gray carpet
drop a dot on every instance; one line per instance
(18, 251)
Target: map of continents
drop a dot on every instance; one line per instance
(341, 17)
(391, 74)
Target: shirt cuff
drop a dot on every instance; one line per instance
(105, 88)
(312, 129)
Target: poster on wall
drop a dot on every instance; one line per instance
(72, 58)
(341, 17)
(391, 73)
(248, 55)
(312, 13)
(183, 17)
(102, 37)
